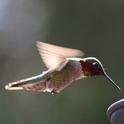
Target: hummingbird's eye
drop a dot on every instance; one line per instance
(96, 64)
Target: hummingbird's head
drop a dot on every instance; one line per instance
(92, 67)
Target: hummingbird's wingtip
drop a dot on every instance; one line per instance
(38, 42)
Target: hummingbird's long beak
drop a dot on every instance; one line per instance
(107, 76)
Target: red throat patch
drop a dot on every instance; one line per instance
(91, 70)
(86, 68)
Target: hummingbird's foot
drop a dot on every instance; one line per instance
(54, 92)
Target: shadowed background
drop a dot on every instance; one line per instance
(96, 27)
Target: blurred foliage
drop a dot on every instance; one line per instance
(94, 26)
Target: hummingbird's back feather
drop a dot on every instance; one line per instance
(54, 56)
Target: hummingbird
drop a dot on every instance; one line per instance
(64, 66)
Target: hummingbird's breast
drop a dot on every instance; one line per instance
(61, 79)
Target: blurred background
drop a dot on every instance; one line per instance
(94, 26)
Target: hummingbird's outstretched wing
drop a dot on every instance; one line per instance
(54, 56)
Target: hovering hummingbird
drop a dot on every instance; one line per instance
(65, 66)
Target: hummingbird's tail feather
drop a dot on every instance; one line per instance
(39, 86)
(36, 83)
